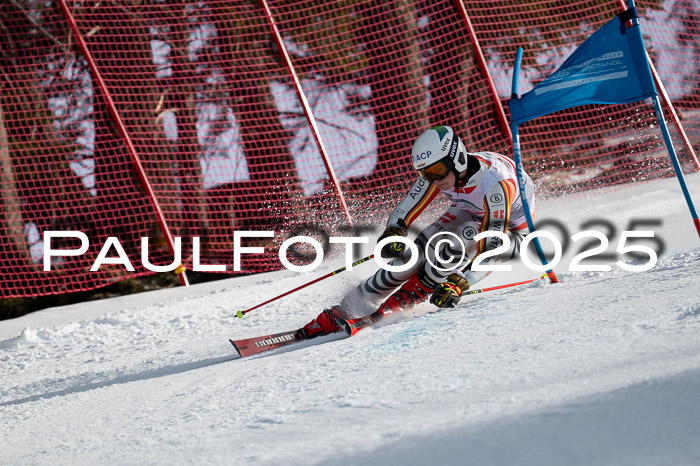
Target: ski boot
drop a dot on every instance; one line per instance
(324, 324)
(411, 293)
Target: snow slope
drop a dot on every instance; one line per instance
(602, 368)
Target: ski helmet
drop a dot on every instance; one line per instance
(437, 152)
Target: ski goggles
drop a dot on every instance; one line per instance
(437, 171)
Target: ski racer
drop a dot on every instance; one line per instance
(482, 187)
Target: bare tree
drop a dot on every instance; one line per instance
(397, 77)
(40, 188)
(274, 183)
(11, 223)
(451, 69)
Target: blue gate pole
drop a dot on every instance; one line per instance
(520, 170)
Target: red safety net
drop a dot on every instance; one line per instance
(206, 103)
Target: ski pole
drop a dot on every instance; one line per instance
(240, 314)
(482, 290)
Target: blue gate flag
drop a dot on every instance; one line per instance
(610, 67)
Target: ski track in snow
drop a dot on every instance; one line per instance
(602, 368)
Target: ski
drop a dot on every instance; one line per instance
(352, 326)
(257, 345)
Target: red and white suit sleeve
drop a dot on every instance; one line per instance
(418, 198)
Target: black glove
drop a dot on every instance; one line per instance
(392, 249)
(447, 294)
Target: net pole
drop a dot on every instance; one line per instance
(676, 163)
(664, 129)
(666, 99)
(131, 149)
(307, 109)
(483, 67)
